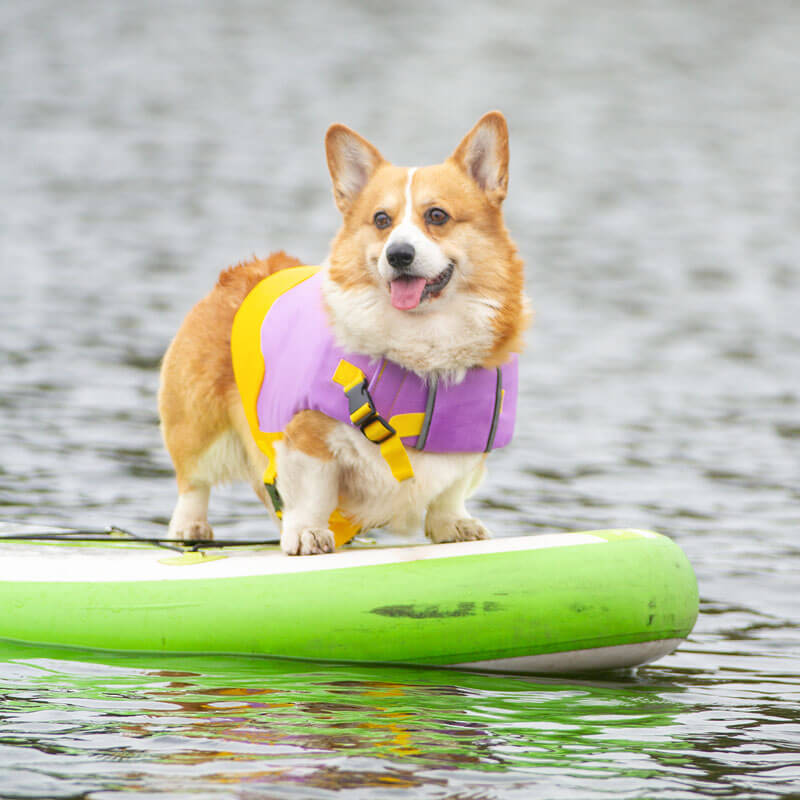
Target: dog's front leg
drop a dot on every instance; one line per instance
(447, 519)
(309, 488)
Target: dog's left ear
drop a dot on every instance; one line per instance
(351, 160)
(483, 155)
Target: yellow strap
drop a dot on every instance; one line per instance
(408, 424)
(395, 455)
(394, 452)
(360, 413)
(342, 528)
(348, 376)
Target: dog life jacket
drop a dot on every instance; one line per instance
(285, 360)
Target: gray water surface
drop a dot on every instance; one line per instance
(654, 197)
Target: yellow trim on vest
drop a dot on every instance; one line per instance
(248, 363)
(248, 369)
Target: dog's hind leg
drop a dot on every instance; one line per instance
(222, 461)
(189, 522)
(198, 391)
(232, 455)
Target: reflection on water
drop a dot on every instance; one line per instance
(200, 724)
(654, 197)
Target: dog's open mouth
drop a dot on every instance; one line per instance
(409, 291)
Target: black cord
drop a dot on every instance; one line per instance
(106, 535)
(157, 542)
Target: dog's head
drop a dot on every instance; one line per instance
(423, 270)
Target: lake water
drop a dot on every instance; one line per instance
(655, 197)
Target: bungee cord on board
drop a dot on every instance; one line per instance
(113, 534)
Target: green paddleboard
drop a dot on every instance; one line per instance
(545, 603)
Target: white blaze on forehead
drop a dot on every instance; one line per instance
(429, 261)
(409, 209)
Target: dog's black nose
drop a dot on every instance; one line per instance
(400, 255)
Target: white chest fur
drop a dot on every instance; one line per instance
(443, 343)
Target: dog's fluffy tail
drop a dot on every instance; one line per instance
(241, 278)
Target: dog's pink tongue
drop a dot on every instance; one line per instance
(407, 292)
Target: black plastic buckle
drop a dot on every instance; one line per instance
(357, 398)
(375, 417)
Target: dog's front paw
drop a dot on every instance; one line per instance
(307, 541)
(448, 528)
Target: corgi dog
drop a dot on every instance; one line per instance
(422, 276)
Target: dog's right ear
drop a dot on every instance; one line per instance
(351, 160)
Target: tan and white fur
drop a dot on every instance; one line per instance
(422, 272)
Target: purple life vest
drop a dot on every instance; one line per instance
(301, 356)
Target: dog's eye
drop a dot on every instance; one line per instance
(382, 219)
(436, 216)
